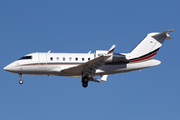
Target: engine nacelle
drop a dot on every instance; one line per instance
(116, 57)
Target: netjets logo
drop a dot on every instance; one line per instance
(102, 54)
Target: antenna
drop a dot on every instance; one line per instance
(49, 51)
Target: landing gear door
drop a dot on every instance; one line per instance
(42, 60)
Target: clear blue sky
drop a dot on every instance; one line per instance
(81, 26)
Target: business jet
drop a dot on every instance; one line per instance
(87, 66)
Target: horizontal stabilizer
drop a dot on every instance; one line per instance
(163, 33)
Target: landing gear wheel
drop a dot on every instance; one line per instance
(21, 82)
(84, 84)
(85, 81)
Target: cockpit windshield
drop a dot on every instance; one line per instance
(25, 57)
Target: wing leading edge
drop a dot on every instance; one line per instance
(88, 68)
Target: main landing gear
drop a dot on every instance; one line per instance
(85, 81)
(20, 81)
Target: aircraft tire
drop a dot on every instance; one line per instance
(85, 81)
(84, 84)
(21, 82)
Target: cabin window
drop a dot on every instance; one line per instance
(63, 58)
(70, 58)
(89, 59)
(25, 57)
(51, 58)
(57, 58)
(76, 59)
(82, 59)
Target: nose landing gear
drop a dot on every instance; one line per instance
(20, 81)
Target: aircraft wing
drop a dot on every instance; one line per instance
(88, 68)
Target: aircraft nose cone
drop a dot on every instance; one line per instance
(6, 68)
(12, 68)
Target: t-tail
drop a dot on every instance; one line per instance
(148, 47)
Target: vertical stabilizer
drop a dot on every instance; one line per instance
(148, 47)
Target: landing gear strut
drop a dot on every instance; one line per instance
(85, 81)
(20, 81)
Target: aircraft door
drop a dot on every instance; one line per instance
(42, 59)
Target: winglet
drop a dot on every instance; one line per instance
(111, 50)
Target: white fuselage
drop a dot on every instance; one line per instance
(87, 65)
(55, 63)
